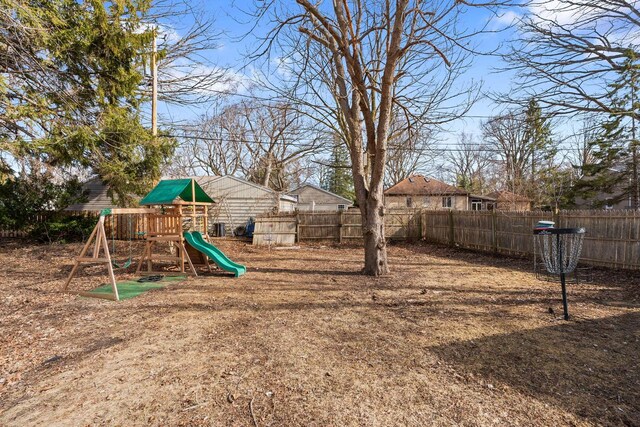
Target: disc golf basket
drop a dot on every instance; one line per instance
(560, 250)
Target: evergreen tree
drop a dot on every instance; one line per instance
(542, 153)
(69, 90)
(612, 176)
(337, 177)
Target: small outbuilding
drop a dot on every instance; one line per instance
(238, 200)
(314, 199)
(97, 197)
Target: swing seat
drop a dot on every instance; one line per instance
(126, 264)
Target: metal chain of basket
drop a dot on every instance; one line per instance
(560, 250)
(560, 255)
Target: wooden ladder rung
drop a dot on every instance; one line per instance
(164, 258)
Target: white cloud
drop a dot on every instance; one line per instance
(165, 32)
(508, 18)
(555, 11)
(202, 79)
(282, 65)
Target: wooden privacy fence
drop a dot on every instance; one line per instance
(612, 239)
(119, 227)
(336, 227)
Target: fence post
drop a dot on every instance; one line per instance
(340, 223)
(297, 238)
(451, 230)
(494, 232)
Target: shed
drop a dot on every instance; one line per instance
(238, 200)
(314, 199)
(97, 197)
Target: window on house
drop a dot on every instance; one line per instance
(490, 206)
(409, 202)
(476, 205)
(446, 202)
(342, 207)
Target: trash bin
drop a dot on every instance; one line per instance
(218, 229)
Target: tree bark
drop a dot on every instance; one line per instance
(375, 245)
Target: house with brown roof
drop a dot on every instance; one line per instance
(419, 191)
(508, 201)
(422, 192)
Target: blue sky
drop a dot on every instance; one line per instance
(233, 24)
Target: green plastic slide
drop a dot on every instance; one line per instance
(196, 241)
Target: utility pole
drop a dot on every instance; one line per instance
(635, 186)
(154, 86)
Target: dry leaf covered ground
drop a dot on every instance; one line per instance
(448, 338)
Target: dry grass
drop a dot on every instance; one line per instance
(449, 338)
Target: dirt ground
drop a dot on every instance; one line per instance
(448, 338)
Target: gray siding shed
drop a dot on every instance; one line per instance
(238, 200)
(312, 198)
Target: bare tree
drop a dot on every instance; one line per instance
(469, 164)
(351, 63)
(581, 144)
(507, 136)
(524, 150)
(571, 50)
(186, 75)
(411, 149)
(214, 145)
(262, 141)
(277, 135)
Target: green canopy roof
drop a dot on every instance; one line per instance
(168, 190)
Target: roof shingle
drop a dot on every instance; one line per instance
(419, 185)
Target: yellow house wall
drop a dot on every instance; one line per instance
(427, 202)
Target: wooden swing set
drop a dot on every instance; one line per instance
(179, 204)
(96, 251)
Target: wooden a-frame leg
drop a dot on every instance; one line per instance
(112, 277)
(150, 258)
(83, 252)
(186, 255)
(145, 254)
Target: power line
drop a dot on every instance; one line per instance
(441, 148)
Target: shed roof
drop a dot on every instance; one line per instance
(232, 184)
(168, 190)
(418, 185)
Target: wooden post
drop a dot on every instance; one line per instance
(340, 224)
(154, 87)
(193, 204)
(451, 229)
(494, 232)
(205, 221)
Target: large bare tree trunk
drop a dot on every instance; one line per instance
(375, 245)
(358, 62)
